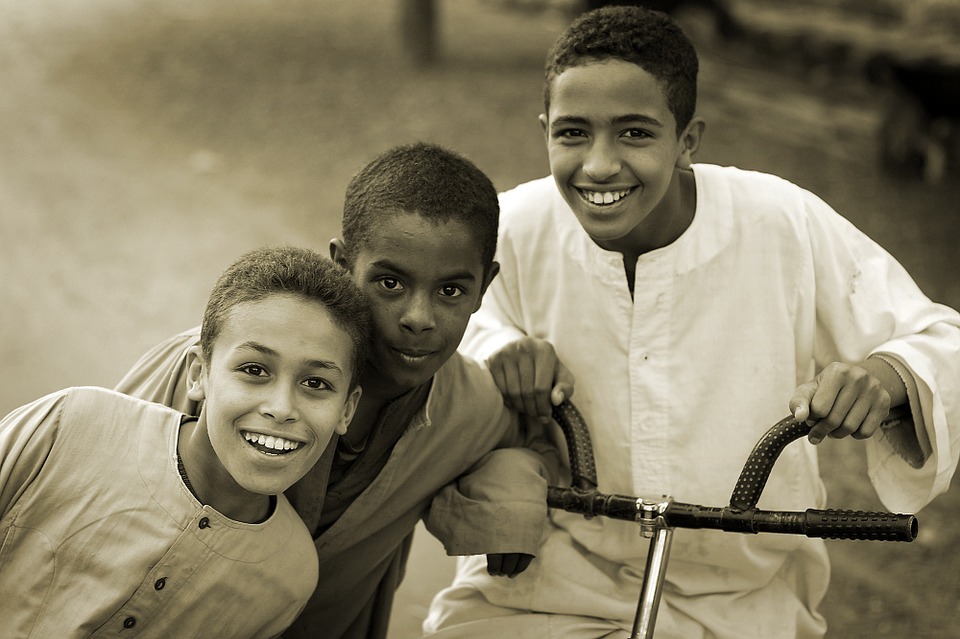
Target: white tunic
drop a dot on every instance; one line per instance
(765, 287)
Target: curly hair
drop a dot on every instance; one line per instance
(293, 271)
(425, 179)
(649, 39)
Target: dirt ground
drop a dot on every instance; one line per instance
(145, 145)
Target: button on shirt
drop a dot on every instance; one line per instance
(102, 536)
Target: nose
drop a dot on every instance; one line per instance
(602, 161)
(279, 404)
(418, 313)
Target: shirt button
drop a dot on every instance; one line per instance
(129, 622)
(160, 583)
(204, 523)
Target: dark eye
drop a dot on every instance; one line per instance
(637, 134)
(451, 291)
(571, 133)
(254, 370)
(390, 283)
(316, 383)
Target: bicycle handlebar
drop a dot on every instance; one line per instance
(826, 524)
(741, 516)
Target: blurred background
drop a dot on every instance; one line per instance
(144, 145)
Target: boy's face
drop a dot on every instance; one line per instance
(276, 389)
(423, 280)
(614, 152)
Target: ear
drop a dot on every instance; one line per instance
(487, 279)
(690, 142)
(349, 409)
(338, 251)
(196, 374)
(544, 122)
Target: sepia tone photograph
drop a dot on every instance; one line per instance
(147, 147)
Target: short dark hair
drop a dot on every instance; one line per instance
(294, 271)
(423, 179)
(649, 39)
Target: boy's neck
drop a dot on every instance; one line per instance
(669, 221)
(211, 484)
(377, 393)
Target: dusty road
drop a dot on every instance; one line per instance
(144, 145)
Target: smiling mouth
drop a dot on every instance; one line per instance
(270, 444)
(603, 198)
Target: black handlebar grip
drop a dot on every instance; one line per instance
(582, 466)
(857, 524)
(591, 502)
(756, 471)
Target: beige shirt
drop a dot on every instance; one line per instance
(458, 465)
(101, 538)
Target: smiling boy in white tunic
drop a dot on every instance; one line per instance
(695, 305)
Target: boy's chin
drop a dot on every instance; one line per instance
(272, 485)
(409, 381)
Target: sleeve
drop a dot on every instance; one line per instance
(867, 304)
(27, 436)
(500, 504)
(498, 321)
(160, 375)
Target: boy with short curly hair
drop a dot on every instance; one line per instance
(119, 515)
(695, 305)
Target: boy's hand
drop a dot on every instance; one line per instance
(509, 564)
(531, 377)
(845, 400)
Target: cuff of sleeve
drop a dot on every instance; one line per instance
(500, 510)
(904, 428)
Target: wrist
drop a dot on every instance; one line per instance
(886, 371)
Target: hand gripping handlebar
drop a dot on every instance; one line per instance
(658, 518)
(741, 515)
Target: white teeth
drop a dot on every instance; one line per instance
(604, 197)
(270, 441)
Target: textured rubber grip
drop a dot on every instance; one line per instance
(575, 431)
(857, 524)
(591, 502)
(826, 524)
(756, 471)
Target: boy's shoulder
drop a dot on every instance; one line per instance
(736, 184)
(534, 212)
(98, 399)
(462, 379)
(540, 195)
(101, 411)
(464, 391)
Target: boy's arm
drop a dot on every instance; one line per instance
(531, 377)
(26, 437)
(870, 312)
(160, 374)
(526, 369)
(499, 506)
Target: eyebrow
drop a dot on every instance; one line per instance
(620, 119)
(312, 363)
(390, 266)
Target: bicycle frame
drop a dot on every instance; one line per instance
(658, 517)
